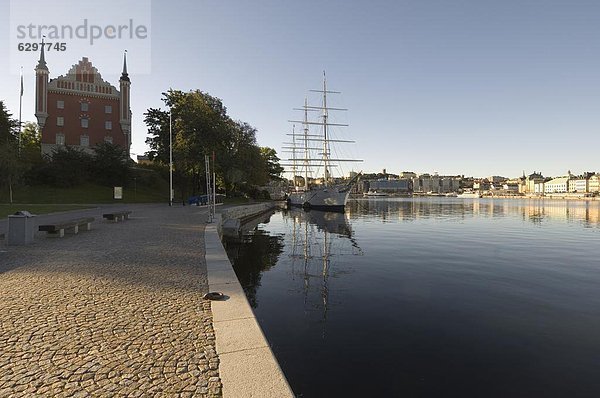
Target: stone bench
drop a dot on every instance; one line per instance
(61, 227)
(117, 216)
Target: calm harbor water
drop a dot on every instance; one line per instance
(430, 297)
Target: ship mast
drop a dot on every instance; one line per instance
(294, 168)
(323, 158)
(325, 143)
(306, 155)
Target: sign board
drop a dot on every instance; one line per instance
(118, 192)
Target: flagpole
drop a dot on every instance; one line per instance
(170, 158)
(20, 111)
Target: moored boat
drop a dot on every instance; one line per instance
(469, 194)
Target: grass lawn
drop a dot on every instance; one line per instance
(6, 210)
(87, 193)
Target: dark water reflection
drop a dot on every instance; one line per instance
(430, 297)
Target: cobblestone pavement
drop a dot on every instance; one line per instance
(115, 311)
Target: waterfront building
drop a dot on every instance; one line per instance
(557, 185)
(435, 183)
(80, 109)
(578, 185)
(511, 187)
(539, 188)
(397, 186)
(527, 184)
(482, 185)
(594, 183)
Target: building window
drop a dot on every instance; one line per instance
(60, 104)
(84, 140)
(60, 139)
(108, 139)
(108, 109)
(84, 107)
(84, 122)
(108, 125)
(60, 121)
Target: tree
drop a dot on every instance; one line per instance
(110, 165)
(67, 167)
(10, 169)
(202, 127)
(274, 169)
(31, 147)
(9, 127)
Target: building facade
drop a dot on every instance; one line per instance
(435, 183)
(398, 186)
(80, 109)
(557, 185)
(594, 183)
(578, 185)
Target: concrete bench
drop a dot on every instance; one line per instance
(117, 216)
(61, 227)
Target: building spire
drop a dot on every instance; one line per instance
(42, 62)
(124, 74)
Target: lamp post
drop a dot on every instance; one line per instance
(170, 158)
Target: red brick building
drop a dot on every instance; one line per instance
(80, 109)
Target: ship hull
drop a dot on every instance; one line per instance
(330, 199)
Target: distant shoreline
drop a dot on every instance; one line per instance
(529, 197)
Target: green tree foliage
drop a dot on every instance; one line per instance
(10, 168)
(110, 165)
(274, 169)
(9, 127)
(67, 167)
(201, 126)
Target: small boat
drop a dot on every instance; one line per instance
(451, 195)
(375, 194)
(469, 194)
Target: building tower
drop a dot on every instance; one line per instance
(41, 89)
(124, 110)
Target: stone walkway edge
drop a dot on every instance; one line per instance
(247, 365)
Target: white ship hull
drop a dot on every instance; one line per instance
(332, 199)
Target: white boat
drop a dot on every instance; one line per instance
(451, 195)
(469, 194)
(376, 194)
(311, 155)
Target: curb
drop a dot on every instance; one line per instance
(247, 366)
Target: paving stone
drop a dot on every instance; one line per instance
(115, 311)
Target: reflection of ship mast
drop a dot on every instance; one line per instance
(317, 229)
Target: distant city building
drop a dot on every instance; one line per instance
(594, 183)
(482, 185)
(80, 109)
(425, 183)
(527, 184)
(398, 186)
(579, 185)
(511, 187)
(408, 174)
(539, 188)
(497, 179)
(557, 185)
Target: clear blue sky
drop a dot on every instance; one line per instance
(469, 87)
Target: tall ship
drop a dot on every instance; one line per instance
(314, 186)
